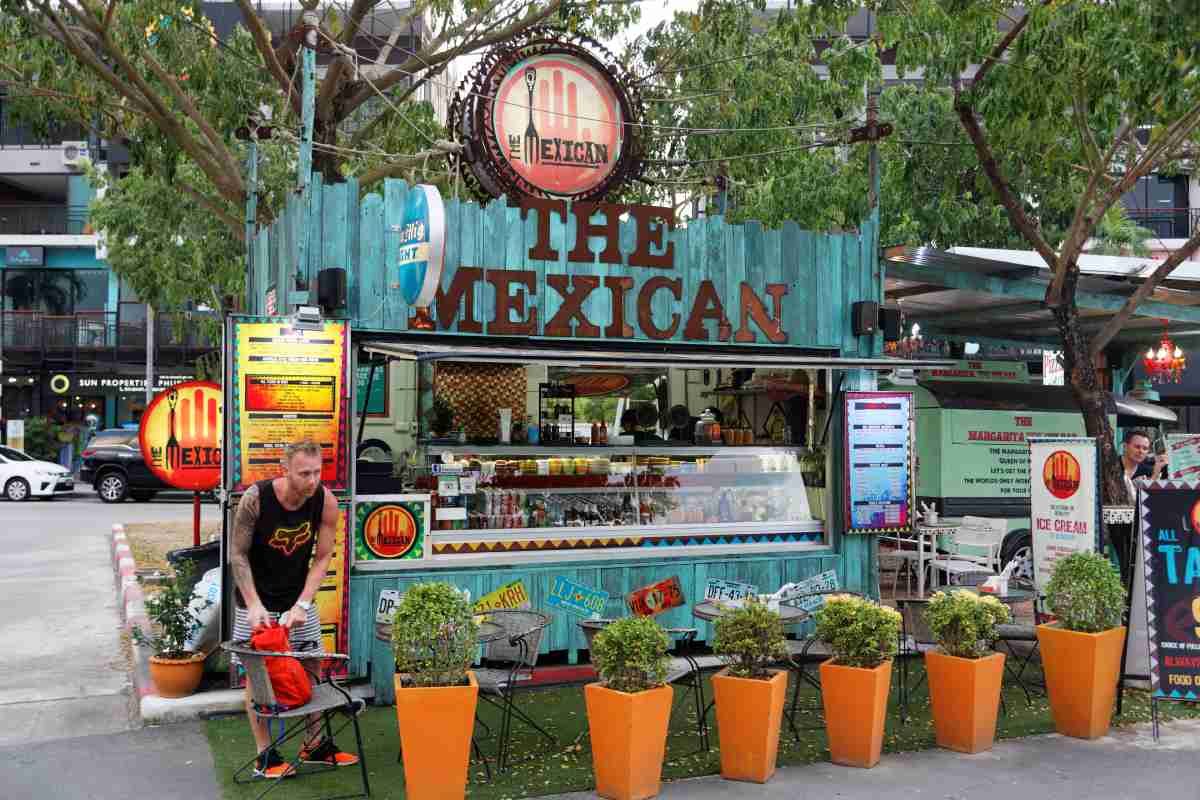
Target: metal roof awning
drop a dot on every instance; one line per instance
(1031, 397)
(675, 356)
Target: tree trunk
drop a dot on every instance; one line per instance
(324, 161)
(1089, 393)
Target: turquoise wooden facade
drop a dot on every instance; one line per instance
(329, 226)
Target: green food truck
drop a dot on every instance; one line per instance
(972, 423)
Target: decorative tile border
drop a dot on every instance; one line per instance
(607, 543)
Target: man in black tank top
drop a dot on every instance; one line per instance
(282, 543)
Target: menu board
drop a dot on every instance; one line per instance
(376, 401)
(287, 385)
(1169, 524)
(879, 462)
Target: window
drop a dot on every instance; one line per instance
(57, 292)
(14, 455)
(117, 438)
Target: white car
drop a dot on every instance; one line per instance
(23, 476)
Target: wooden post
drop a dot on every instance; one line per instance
(308, 74)
(251, 217)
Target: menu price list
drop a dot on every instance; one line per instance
(878, 435)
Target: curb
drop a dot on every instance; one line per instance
(133, 608)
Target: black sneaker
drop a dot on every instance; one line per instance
(327, 753)
(270, 764)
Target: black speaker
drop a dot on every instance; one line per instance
(331, 289)
(889, 322)
(865, 318)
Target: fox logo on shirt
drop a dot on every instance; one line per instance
(288, 540)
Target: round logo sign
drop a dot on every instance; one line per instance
(549, 114)
(390, 531)
(422, 245)
(180, 435)
(60, 384)
(566, 117)
(1061, 474)
(1194, 517)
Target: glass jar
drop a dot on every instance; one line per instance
(704, 427)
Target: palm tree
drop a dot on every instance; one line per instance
(1118, 235)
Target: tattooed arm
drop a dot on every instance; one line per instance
(239, 556)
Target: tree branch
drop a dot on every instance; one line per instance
(398, 167)
(1001, 47)
(262, 41)
(1114, 325)
(237, 226)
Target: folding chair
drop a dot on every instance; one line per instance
(1008, 634)
(516, 653)
(328, 699)
(915, 640)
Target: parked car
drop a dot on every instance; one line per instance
(113, 465)
(22, 476)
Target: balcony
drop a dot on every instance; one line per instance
(1167, 223)
(33, 337)
(31, 220)
(15, 135)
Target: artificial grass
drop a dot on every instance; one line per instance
(541, 770)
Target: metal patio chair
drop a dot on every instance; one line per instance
(514, 657)
(328, 699)
(915, 640)
(1027, 634)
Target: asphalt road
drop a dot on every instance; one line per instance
(63, 671)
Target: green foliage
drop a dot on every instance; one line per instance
(1085, 593)
(859, 632)
(441, 415)
(1118, 235)
(41, 438)
(964, 623)
(750, 639)
(171, 615)
(631, 654)
(433, 635)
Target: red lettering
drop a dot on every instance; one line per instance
(646, 315)
(617, 287)
(610, 230)
(541, 250)
(572, 305)
(507, 302)
(753, 308)
(648, 234)
(707, 305)
(449, 302)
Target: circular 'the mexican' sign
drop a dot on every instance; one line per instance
(390, 531)
(180, 435)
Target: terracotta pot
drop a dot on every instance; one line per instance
(1081, 678)
(629, 739)
(435, 738)
(749, 713)
(965, 694)
(855, 701)
(176, 677)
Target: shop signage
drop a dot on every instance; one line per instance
(1052, 368)
(879, 461)
(575, 598)
(422, 247)
(565, 306)
(510, 595)
(60, 384)
(390, 528)
(333, 595)
(377, 401)
(992, 371)
(120, 383)
(550, 114)
(1183, 456)
(720, 590)
(656, 598)
(24, 256)
(1064, 502)
(1170, 551)
(180, 436)
(287, 385)
(390, 531)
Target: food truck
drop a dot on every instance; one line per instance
(972, 422)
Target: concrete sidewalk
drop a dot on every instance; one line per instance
(1125, 764)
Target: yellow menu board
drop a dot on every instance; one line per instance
(287, 385)
(332, 598)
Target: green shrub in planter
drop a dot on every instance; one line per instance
(172, 616)
(859, 632)
(964, 623)
(630, 655)
(433, 634)
(1085, 593)
(750, 639)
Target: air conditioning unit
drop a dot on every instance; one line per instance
(73, 153)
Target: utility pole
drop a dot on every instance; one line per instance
(251, 216)
(149, 354)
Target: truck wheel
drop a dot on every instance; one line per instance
(1018, 546)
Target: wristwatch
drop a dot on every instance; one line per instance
(304, 604)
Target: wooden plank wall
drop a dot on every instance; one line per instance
(618, 578)
(330, 226)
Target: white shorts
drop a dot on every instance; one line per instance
(310, 631)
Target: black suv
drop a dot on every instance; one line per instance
(113, 464)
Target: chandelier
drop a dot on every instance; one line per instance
(1167, 363)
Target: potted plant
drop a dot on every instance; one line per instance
(441, 416)
(965, 675)
(434, 637)
(629, 709)
(175, 670)
(1081, 652)
(749, 694)
(854, 683)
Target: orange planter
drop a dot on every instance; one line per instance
(176, 677)
(435, 738)
(629, 739)
(855, 701)
(749, 713)
(965, 694)
(1081, 678)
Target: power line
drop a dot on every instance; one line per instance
(673, 162)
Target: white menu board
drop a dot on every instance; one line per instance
(879, 462)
